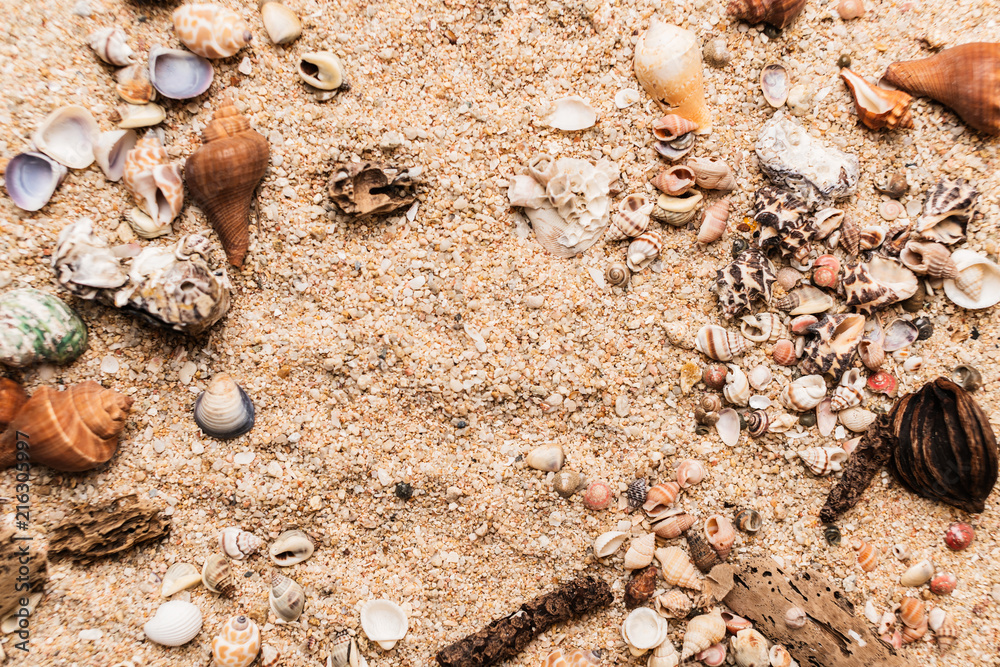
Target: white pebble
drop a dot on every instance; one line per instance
(622, 406)
(246, 67)
(91, 634)
(109, 365)
(274, 469)
(244, 458)
(534, 301)
(187, 372)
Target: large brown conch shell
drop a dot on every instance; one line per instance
(878, 108)
(778, 13)
(965, 78)
(12, 398)
(70, 430)
(945, 446)
(223, 174)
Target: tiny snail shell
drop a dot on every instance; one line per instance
(637, 493)
(237, 543)
(867, 557)
(832, 535)
(901, 551)
(287, 599)
(291, 547)
(967, 377)
(748, 520)
(757, 423)
(720, 534)
(598, 495)
(566, 482)
(618, 275)
(690, 472)
(959, 536)
(217, 575)
(673, 526)
(713, 225)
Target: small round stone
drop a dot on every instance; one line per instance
(403, 491)
(807, 419)
(844, 60)
(959, 536)
(598, 495)
(715, 377)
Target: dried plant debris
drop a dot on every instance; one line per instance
(115, 527)
(873, 452)
(11, 554)
(505, 637)
(832, 635)
(366, 188)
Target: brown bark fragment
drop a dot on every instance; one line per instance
(117, 526)
(505, 637)
(762, 592)
(10, 563)
(873, 452)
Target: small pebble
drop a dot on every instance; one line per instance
(91, 634)
(244, 458)
(807, 419)
(622, 406)
(844, 60)
(403, 491)
(535, 301)
(246, 67)
(109, 365)
(959, 536)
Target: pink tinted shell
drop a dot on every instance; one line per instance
(598, 495)
(690, 472)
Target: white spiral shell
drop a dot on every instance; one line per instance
(737, 389)
(804, 393)
(720, 344)
(238, 543)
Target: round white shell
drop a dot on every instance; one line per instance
(384, 622)
(179, 74)
(643, 629)
(175, 623)
(32, 178)
(68, 135)
(990, 292)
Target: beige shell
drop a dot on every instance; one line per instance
(871, 237)
(677, 569)
(703, 631)
(643, 250)
(720, 534)
(712, 174)
(977, 283)
(677, 211)
(282, 24)
(667, 63)
(946, 633)
(720, 344)
(287, 599)
(608, 543)
(237, 543)
(713, 225)
(217, 575)
(632, 218)
(690, 472)
(856, 419)
(804, 393)
(664, 655)
(179, 577)
(750, 648)
(675, 180)
(659, 499)
(867, 556)
(928, 258)
(673, 526)
(155, 184)
(640, 552)
(737, 389)
(763, 327)
(822, 460)
(643, 629)
(110, 46)
(672, 604)
(917, 574)
(549, 458)
(291, 547)
(850, 391)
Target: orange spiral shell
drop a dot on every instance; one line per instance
(12, 399)
(867, 557)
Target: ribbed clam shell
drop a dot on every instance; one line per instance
(68, 135)
(673, 526)
(549, 458)
(763, 327)
(673, 604)
(640, 552)
(32, 178)
(224, 410)
(677, 568)
(690, 472)
(608, 543)
(632, 218)
(675, 180)
(720, 534)
(784, 353)
(720, 344)
(237, 543)
(713, 226)
(712, 174)
(737, 389)
(384, 622)
(643, 629)
(179, 74)
(175, 623)
(111, 150)
(179, 577)
(211, 31)
(822, 460)
(927, 258)
(701, 632)
(643, 250)
(291, 547)
(856, 419)
(110, 46)
(217, 575)
(804, 393)
(287, 599)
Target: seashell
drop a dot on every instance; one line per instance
(636, 493)
(211, 31)
(715, 379)
(867, 556)
(703, 554)
(668, 65)
(111, 152)
(217, 575)
(608, 543)
(384, 622)
(673, 526)
(84, 262)
(747, 279)
(291, 547)
(748, 520)
(713, 656)
(760, 377)
(822, 461)
(224, 410)
(927, 258)
(673, 604)
(720, 534)
(778, 13)
(618, 275)
(626, 98)
(977, 282)
(31, 179)
(287, 599)
(913, 633)
(710, 403)
(712, 173)
(38, 327)
(640, 552)
(322, 70)
(728, 427)
(967, 377)
(894, 185)
(12, 399)
(850, 392)
(671, 127)
(690, 472)
(179, 577)
(643, 629)
(676, 149)
(68, 135)
(643, 250)
(155, 184)
(949, 207)
(803, 394)
(878, 108)
(750, 648)
(238, 643)
(935, 618)
(850, 237)
(878, 283)
(826, 418)
(943, 584)
(632, 218)
(795, 618)
(677, 568)
(571, 114)
(677, 211)
(640, 586)
(765, 327)
(549, 458)
(856, 419)
(805, 301)
(871, 351)
(72, 430)
(757, 423)
(959, 536)
(598, 495)
(134, 116)
(664, 655)
(901, 552)
(577, 658)
(783, 219)
(871, 237)
(812, 171)
(109, 45)
(782, 423)
(784, 353)
(964, 78)
(701, 632)
(826, 222)
(367, 188)
(946, 633)
(222, 176)
(280, 22)
(134, 85)
(889, 210)
(659, 499)
(344, 652)
(737, 389)
(911, 612)
(899, 334)
(850, 9)
(918, 574)
(175, 623)
(179, 74)
(826, 270)
(675, 180)
(566, 482)
(237, 543)
(774, 83)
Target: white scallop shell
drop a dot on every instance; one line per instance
(966, 262)
(68, 135)
(175, 623)
(640, 552)
(643, 629)
(608, 543)
(571, 114)
(179, 577)
(238, 543)
(737, 389)
(384, 622)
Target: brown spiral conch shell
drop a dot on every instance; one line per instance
(712, 173)
(675, 180)
(965, 78)
(713, 226)
(223, 174)
(778, 13)
(12, 399)
(70, 431)
(878, 108)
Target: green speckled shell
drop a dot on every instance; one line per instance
(36, 327)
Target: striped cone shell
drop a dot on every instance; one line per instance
(211, 31)
(632, 218)
(946, 633)
(867, 557)
(673, 526)
(713, 225)
(701, 632)
(677, 568)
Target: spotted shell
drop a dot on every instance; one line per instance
(632, 218)
(238, 643)
(211, 31)
(832, 344)
(747, 279)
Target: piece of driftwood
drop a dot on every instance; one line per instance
(24, 567)
(832, 636)
(505, 637)
(119, 525)
(873, 452)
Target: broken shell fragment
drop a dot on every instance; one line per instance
(774, 83)
(179, 577)
(68, 135)
(280, 22)
(224, 410)
(571, 114)
(876, 107)
(748, 279)
(322, 70)
(134, 116)
(368, 188)
(291, 547)
(32, 178)
(626, 98)
(608, 543)
(179, 74)
(948, 209)
(549, 458)
(110, 46)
